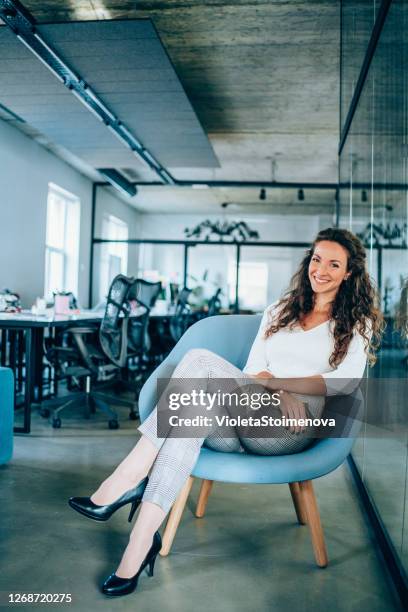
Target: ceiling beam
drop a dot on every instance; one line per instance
(21, 22)
(238, 184)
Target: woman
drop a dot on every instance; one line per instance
(318, 335)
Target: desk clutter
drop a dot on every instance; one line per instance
(96, 359)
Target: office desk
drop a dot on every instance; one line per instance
(21, 347)
(22, 350)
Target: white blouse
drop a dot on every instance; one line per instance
(296, 353)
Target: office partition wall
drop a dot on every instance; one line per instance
(374, 202)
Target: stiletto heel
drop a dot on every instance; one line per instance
(151, 566)
(85, 506)
(115, 586)
(133, 509)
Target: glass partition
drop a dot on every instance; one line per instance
(110, 259)
(357, 20)
(264, 274)
(211, 267)
(374, 204)
(161, 262)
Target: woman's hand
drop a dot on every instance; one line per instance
(263, 374)
(292, 408)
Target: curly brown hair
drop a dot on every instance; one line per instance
(355, 307)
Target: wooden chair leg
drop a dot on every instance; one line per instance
(205, 491)
(175, 517)
(313, 520)
(298, 502)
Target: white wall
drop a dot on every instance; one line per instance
(295, 228)
(26, 168)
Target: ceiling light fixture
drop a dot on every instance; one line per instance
(364, 197)
(117, 180)
(52, 53)
(87, 106)
(262, 194)
(42, 60)
(301, 195)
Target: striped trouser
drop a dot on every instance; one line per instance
(177, 456)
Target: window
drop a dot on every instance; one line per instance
(62, 242)
(253, 284)
(114, 255)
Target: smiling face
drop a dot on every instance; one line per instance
(328, 267)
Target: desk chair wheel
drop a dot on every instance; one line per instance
(44, 412)
(113, 424)
(133, 415)
(56, 423)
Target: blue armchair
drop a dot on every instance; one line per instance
(231, 337)
(6, 414)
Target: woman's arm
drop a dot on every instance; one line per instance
(341, 380)
(308, 385)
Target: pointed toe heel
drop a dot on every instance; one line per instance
(86, 507)
(115, 586)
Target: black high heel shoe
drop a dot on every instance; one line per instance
(114, 586)
(85, 506)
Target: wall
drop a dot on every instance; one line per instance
(296, 228)
(26, 168)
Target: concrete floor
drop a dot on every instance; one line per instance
(248, 553)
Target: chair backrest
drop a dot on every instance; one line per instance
(178, 322)
(138, 339)
(113, 335)
(230, 336)
(214, 303)
(145, 292)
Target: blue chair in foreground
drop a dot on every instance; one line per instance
(231, 337)
(6, 414)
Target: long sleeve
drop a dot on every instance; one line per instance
(345, 378)
(257, 361)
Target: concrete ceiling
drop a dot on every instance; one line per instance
(262, 77)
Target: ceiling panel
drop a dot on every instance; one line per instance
(119, 49)
(126, 64)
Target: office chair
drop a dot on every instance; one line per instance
(99, 357)
(231, 337)
(145, 292)
(179, 321)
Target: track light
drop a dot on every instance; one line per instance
(301, 195)
(262, 194)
